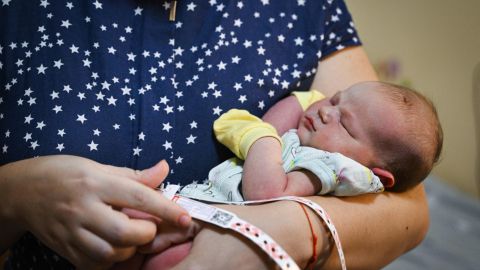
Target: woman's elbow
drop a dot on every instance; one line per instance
(423, 226)
(421, 218)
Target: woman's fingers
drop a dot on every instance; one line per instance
(117, 228)
(98, 253)
(151, 177)
(123, 192)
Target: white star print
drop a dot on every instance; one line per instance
(106, 85)
(138, 11)
(178, 160)
(236, 59)
(60, 147)
(131, 56)
(242, 98)
(34, 145)
(41, 69)
(97, 4)
(66, 24)
(141, 136)
(167, 145)
(93, 146)
(44, 3)
(238, 23)
(237, 86)
(74, 49)
(193, 125)
(86, 63)
(28, 119)
(96, 132)
(191, 6)
(58, 64)
(261, 105)
(28, 136)
(40, 125)
(6, 2)
(168, 109)
(217, 110)
(57, 109)
(61, 132)
(67, 88)
(81, 118)
(191, 139)
(167, 127)
(112, 101)
(221, 66)
(136, 151)
(298, 41)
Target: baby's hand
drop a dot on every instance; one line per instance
(170, 245)
(169, 235)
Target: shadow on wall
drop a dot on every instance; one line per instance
(476, 116)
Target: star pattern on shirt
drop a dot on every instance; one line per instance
(104, 84)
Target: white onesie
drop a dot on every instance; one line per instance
(339, 175)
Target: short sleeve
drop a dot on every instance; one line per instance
(339, 29)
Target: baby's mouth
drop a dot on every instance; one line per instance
(310, 123)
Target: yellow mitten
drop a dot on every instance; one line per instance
(307, 98)
(238, 130)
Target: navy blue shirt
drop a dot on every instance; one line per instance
(115, 81)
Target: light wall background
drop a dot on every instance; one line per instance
(437, 43)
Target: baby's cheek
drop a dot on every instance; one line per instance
(168, 258)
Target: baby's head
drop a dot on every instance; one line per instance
(383, 126)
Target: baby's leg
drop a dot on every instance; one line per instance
(168, 258)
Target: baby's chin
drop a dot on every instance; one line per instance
(303, 136)
(168, 258)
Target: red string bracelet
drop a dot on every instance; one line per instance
(313, 259)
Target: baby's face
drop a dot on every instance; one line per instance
(350, 123)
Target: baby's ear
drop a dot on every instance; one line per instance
(385, 176)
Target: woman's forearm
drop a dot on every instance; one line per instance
(286, 222)
(376, 229)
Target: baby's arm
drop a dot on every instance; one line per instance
(264, 177)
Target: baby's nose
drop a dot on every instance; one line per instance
(329, 114)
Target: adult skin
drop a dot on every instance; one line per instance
(72, 205)
(374, 229)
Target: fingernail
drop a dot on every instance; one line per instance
(184, 220)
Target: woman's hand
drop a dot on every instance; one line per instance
(73, 204)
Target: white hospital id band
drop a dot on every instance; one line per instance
(228, 220)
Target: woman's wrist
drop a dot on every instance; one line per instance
(294, 234)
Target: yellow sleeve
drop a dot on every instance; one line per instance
(307, 98)
(238, 130)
